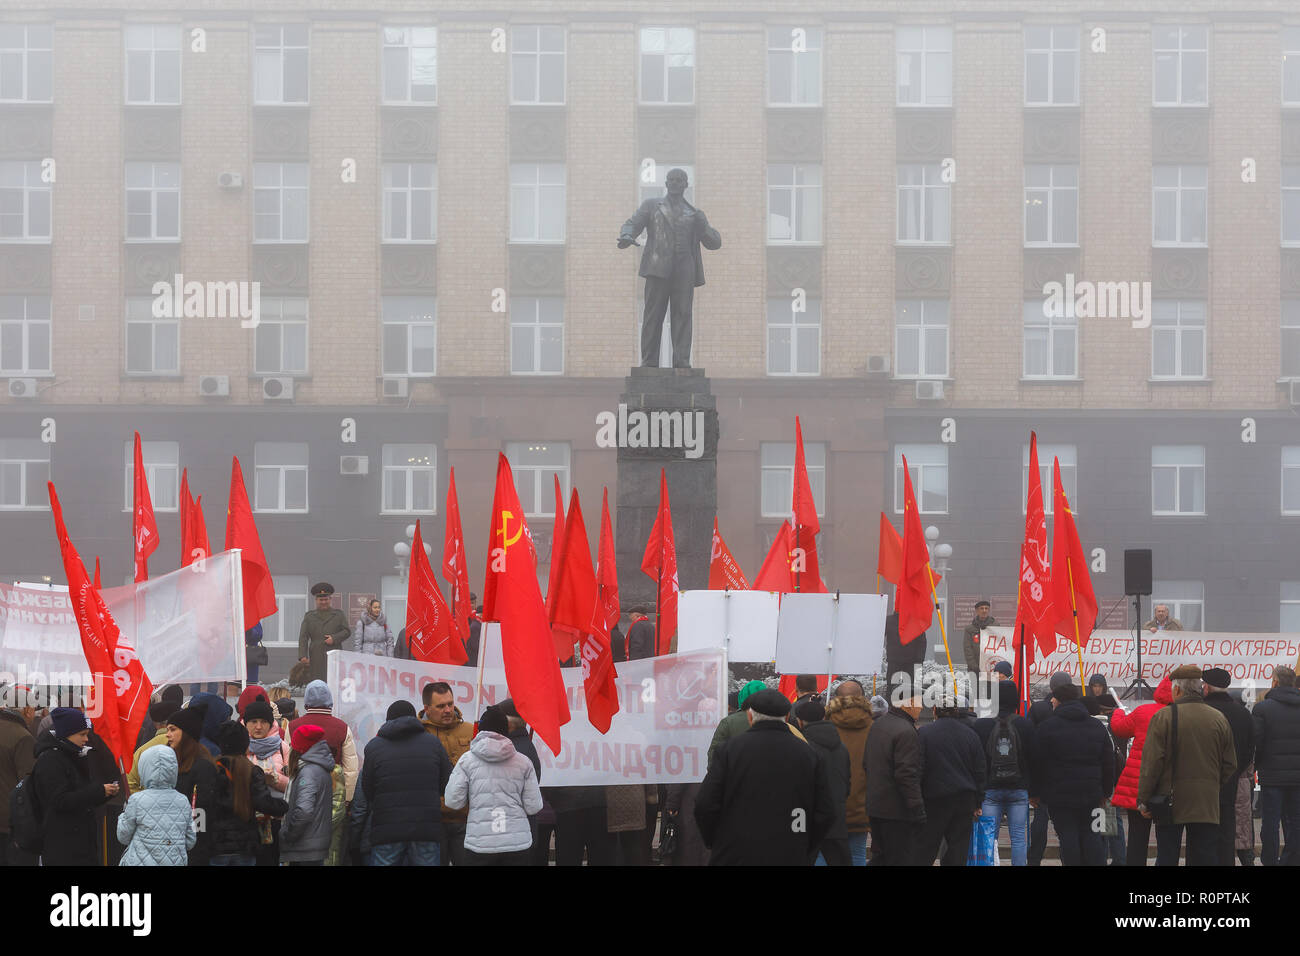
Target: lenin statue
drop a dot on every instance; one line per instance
(671, 264)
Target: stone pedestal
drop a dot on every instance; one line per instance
(668, 419)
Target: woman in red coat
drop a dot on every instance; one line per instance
(1123, 726)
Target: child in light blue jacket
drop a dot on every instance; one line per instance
(156, 826)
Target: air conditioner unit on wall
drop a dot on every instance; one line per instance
(877, 364)
(22, 388)
(277, 389)
(354, 465)
(395, 387)
(927, 391)
(230, 180)
(214, 386)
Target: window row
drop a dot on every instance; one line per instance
(665, 69)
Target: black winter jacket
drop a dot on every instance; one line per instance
(1277, 738)
(1072, 761)
(895, 765)
(1243, 737)
(825, 740)
(1024, 728)
(953, 761)
(228, 833)
(404, 774)
(900, 657)
(198, 784)
(66, 797)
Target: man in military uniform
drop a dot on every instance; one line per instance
(324, 629)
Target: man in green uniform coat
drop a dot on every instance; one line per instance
(323, 629)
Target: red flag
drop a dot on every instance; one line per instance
(724, 571)
(788, 689)
(606, 568)
(914, 599)
(564, 637)
(429, 627)
(577, 605)
(97, 584)
(184, 501)
(1023, 662)
(1034, 606)
(1071, 582)
(775, 574)
(198, 531)
(660, 563)
(144, 529)
(241, 532)
(807, 571)
(889, 560)
(122, 691)
(511, 596)
(455, 568)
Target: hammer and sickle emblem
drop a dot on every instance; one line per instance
(506, 539)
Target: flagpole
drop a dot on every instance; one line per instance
(1074, 611)
(942, 630)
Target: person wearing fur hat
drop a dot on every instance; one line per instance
(65, 791)
(156, 827)
(196, 770)
(239, 796)
(307, 829)
(324, 629)
(851, 713)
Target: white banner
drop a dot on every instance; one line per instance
(187, 627)
(1249, 658)
(668, 709)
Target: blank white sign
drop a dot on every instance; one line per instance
(742, 622)
(817, 634)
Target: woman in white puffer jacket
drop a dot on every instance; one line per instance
(500, 786)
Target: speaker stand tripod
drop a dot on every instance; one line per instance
(1137, 686)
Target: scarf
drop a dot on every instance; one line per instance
(382, 621)
(264, 748)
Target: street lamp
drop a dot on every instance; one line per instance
(402, 551)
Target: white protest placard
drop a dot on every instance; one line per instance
(822, 633)
(742, 622)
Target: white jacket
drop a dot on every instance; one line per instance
(500, 786)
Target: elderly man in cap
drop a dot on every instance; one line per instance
(766, 799)
(1217, 681)
(324, 629)
(1187, 757)
(971, 642)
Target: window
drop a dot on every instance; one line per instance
(1291, 480)
(537, 202)
(1291, 205)
(410, 335)
(1178, 480)
(24, 203)
(26, 62)
(1291, 338)
(794, 203)
(24, 335)
(1051, 66)
(1291, 66)
(153, 64)
(280, 342)
(280, 64)
(794, 66)
(924, 66)
(1051, 205)
(24, 474)
(536, 335)
(1069, 458)
(410, 202)
(280, 476)
(777, 479)
(280, 202)
(1051, 342)
(153, 201)
(656, 188)
(537, 65)
(667, 65)
(152, 343)
(291, 606)
(410, 479)
(162, 473)
(410, 65)
(794, 339)
(1179, 203)
(392, 601)
(1181, 72)
(921, 338)
(924, 204)
(1289, 612)
(534, 465)
(1186, 600)
(928, 465)
(1177, 339)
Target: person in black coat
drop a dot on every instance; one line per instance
(1277, 761)
(403, 776)
(901, 659)
(240, 793)
(825, 740)
(196, 777)
(1072, 770)
(1217, 681)
(952, 786)
(66, 795)
(1039, 711)
(765, 800)
(641, 635)
(894, 765)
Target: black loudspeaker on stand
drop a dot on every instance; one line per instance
(1137, 582)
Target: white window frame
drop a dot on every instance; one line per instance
(781, 317)
(1288, 606)
(272, 315)
(428, 471)
(29, 325)
(1291, 60)
(26, 54)
(782, 57)
(392, 597)
(930, 47)
(1290, 318)
(1054, 51)
(1057, 327)
(162, 472)
(920, 467)
(264, 447)
(411, 197)
(283, 194)
(1177, 467)
(287, 623)
(1179, 65)
(1290, 212)
(664, 57)
(1069, 456)
(142, 306)
(156, 194)
(772, 465)
(1055, 197)
(414, 302)
(408, 44)
(526, 319)
(528, 181)
(34, 192)
(1182, 328)
(1182, 195)
(159, 34)
(1178, 606)
(805, 204)
(536, 54)
(279, 51)
(921, 318)
(1290, 464)
(659, 188)
(24, 460)
(543, 488)
(927, 193)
